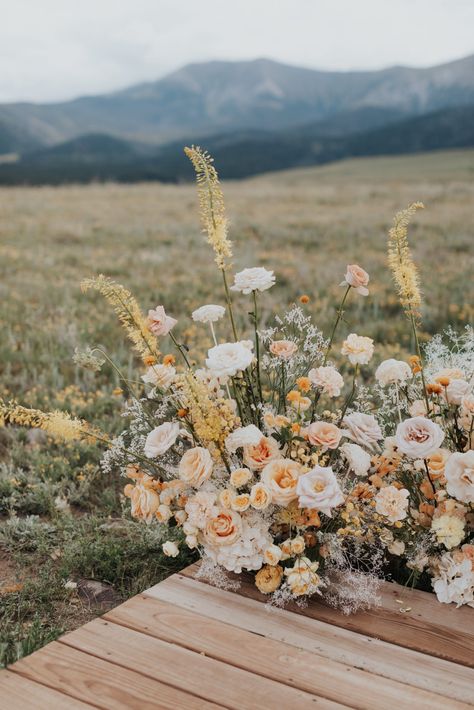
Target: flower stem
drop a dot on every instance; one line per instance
(351, 395)
(340, 313)
(181, 349)
(418, 352)
(229, 304)
(257, 345)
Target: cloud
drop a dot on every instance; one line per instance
(58, 49)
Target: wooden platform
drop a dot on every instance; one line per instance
(185, 644)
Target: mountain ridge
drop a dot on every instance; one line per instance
(210, 97)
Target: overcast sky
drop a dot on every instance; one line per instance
(59, 49)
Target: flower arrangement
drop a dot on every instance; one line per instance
(267, 458)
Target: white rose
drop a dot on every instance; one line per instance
(318, 489)
(392, 503)
(456, 390)
(159, 376)
(363, 429)
(358, 349)
(459, 472)
(391, 371)
(418, 437)
(208, 314)
(328, 379)
(161, 439)
(170, 549)
(255, 279)
(357, 458)
(245, 436)
(195, 466)
(229, 358)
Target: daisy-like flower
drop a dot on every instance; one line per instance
(208, 314)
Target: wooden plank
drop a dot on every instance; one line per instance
(17, 693)
(195, 673)
(354, 649)
(428, 636)
(100, 683)
(272, 659)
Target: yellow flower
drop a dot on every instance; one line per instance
(268, 578)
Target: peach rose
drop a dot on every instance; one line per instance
(268, 579)
(323, 434)
(260, 496)
(357, 278)
(272, 555)
(358, 348)
(281, 477)
(224, 528)
(327, 379)
(159, 323)
(196, 466)
(283, 349)
(257, 456)
(144, 499)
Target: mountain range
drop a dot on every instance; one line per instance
(254, 116)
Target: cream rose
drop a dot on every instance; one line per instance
(358, 349)
(459, 472)
(319, 490)
(257, 456)
(362, 428)
(245, 436)
(161, 439)
(260, 496)
(144, 499)
(268, 579)
(159, 323)
(159, 376)
(418, 437)
(253, 279)
(195, 466)
(357, 278)
(323, 434)
(272, 555)
(284, 349)
(240, 502)
(240, 477)
(281, 477)
(224, 528)
(302, 578)
(358, 459)
(208, 314)
(456, 390)
(393, 371)
(392, 503)
(327, 379)
(228, 359)
(449, 530)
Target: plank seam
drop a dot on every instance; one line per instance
(21, 673)
(145, 675)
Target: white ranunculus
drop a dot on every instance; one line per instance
(357, 458)
(159, 376)
(319, 490)
(254, 279)
(245, 436)
(328, 379)
(363, 429)
(208, 314)
(418, 437)
(161, 439)
(358, 348)
(229, 358)
(459, 472)
(393, 371)
(456, 390)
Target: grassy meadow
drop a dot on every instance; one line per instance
(62, 520)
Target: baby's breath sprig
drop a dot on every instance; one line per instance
(128, 311)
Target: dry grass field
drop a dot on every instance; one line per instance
(62, 521)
